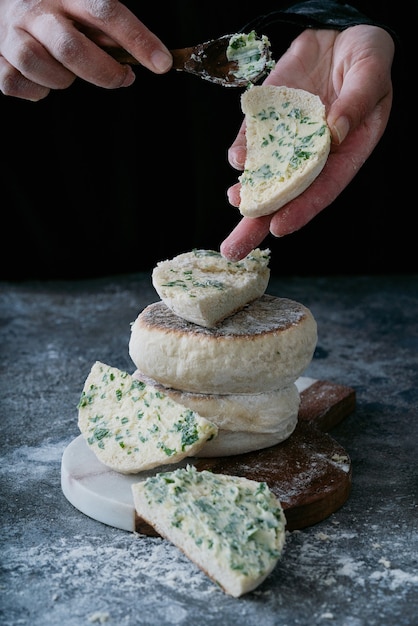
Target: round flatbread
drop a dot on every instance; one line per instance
(230, 443)
(264, 347)
(246, 422)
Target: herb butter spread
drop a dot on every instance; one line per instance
(204, 288)
(252, 55)
(288, 142)
(233, 528)
(131, 426)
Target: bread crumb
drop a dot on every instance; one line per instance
(339, 458)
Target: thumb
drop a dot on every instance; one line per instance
(238, 149)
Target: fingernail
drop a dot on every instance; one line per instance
(129, 77)
(162, 61)
(236, 157)
(340, 129)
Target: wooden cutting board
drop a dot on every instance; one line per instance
(310, 472)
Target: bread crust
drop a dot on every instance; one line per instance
(264, 347)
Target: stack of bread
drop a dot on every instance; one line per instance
(217, 362)
(219, 345)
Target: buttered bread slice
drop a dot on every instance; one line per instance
(231, 527)
(264, 347)
(131, 426)
(203, 287)
(288, 142)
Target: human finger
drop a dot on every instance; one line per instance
(246, 236)
(238, 150)
(13, 83)
(115, 20)
(364, 80)
(58, 51)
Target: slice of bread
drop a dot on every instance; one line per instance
(288, 142)
(264, 347)
(246, 422)
(131, 426)
(204, 288)
(231, 527)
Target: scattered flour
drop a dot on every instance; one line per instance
(99, 618)
(100, 575)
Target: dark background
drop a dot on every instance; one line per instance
(98, 182)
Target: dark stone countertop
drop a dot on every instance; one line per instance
(358, 567)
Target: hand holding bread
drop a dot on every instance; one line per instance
(351, 72)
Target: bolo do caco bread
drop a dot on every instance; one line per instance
(263, 347)
(245, 422)
(233, 528)
(288, 143)
(131, 426)
(238, 375)
(203, 287)
(162, 415)
(239, 372)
